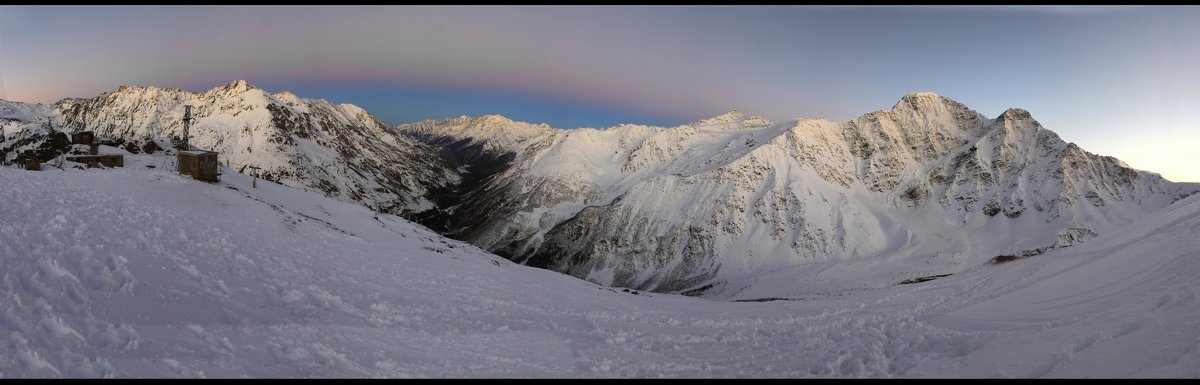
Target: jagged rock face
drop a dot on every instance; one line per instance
(479, 148)
(22, 129)
(310, 143)
(715, 203)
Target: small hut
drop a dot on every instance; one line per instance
(85, 137)
(201, 165)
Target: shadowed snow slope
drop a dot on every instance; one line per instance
(139, 272)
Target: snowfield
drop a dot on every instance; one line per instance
(138, 272)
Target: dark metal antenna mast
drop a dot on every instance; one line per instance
(187, 125)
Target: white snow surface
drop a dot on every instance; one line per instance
(138, 272)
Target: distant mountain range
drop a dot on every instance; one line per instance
(736, 204)
(733, 206)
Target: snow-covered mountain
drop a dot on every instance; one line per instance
(740, 207)
(477, 137)
(340, 150)
(732, 206)
(139, 272)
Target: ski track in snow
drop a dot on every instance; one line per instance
(131, 272)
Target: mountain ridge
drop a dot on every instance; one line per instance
(699, 196)
(310, 143)
(731, 206)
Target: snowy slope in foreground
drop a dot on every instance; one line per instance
(137, 272)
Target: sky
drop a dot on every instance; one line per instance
(1122, 81)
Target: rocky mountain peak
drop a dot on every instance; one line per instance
(492, 120)
(238, 86)
(1014, 113)
(923, 100)
(733, 116)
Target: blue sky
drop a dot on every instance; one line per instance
(1117, 80)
